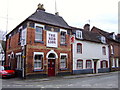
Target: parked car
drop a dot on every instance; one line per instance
(6, 72)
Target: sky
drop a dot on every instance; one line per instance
(102, 14)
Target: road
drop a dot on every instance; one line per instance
(103, 81)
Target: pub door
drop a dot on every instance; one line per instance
(51, 67)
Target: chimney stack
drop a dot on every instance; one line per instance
(87, 27)
(40, 7)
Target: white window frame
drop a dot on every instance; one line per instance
(63, 54)
(36, 33)
(103, 39)
(104, 64)
(38, 53)
(113, 62)
(9, 59)
(61, 40)
(39, 25)
(112, 49)
(117, 62)
(19, 60)
(79, 60)
(79, 34)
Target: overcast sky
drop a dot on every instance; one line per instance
(101, 13)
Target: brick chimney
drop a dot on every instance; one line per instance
(87, 27)
(40, 7)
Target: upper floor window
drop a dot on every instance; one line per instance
(79, 64)
(88, 64)
(79, 48)
(79, 34)
(104, 50)
(39, 34)
(63, 37)
(103, 39)
(114, 36)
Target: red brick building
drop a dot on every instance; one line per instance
(40, 46)
(114, 47)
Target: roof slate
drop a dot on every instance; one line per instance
(88, 35)
(47, 18)
(106, 34)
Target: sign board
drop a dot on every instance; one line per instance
(52, 39)
(72, 39)
(23, 37)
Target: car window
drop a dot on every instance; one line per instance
(1, 68)
(7, 68)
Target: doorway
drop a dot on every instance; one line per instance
(51, 64)
(95, 63)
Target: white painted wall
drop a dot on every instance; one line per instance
(90, 50)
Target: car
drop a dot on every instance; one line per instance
(6, 72)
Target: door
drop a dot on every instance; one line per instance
(51, 67)
(95, 67)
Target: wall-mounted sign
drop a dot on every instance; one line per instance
(72, 39)
(23, 37)
(52, 39)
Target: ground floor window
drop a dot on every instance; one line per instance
(115, 62)
(38, 60)
(104, 64)
(63, 61)
(79, 64)
(19, 62)
(88, 64)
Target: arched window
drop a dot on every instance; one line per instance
(104, 50)
(79, 48)
(104, 64)
(88, 64)
(79, 64)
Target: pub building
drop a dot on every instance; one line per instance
(40, 46)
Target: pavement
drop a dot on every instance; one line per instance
(68, 77)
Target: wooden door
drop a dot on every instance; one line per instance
(95, 67)
(51, 67)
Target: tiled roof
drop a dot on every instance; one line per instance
(47, 18)
(106, 34)
(88, 35)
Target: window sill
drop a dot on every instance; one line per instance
(37, 70)
(63, 69)
(63, 44)
(39, 41)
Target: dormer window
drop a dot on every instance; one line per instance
(79, 34)
(103, 39)
(114, 36)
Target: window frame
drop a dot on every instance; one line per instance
(38, 53)
(19, 61)
(79, 34)
(63, 54)
(112, 49)
(104, 50)
(87, 64)
(77, 64)
(103, 39)
(80, 48)
(41, 34)
(104, 62)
